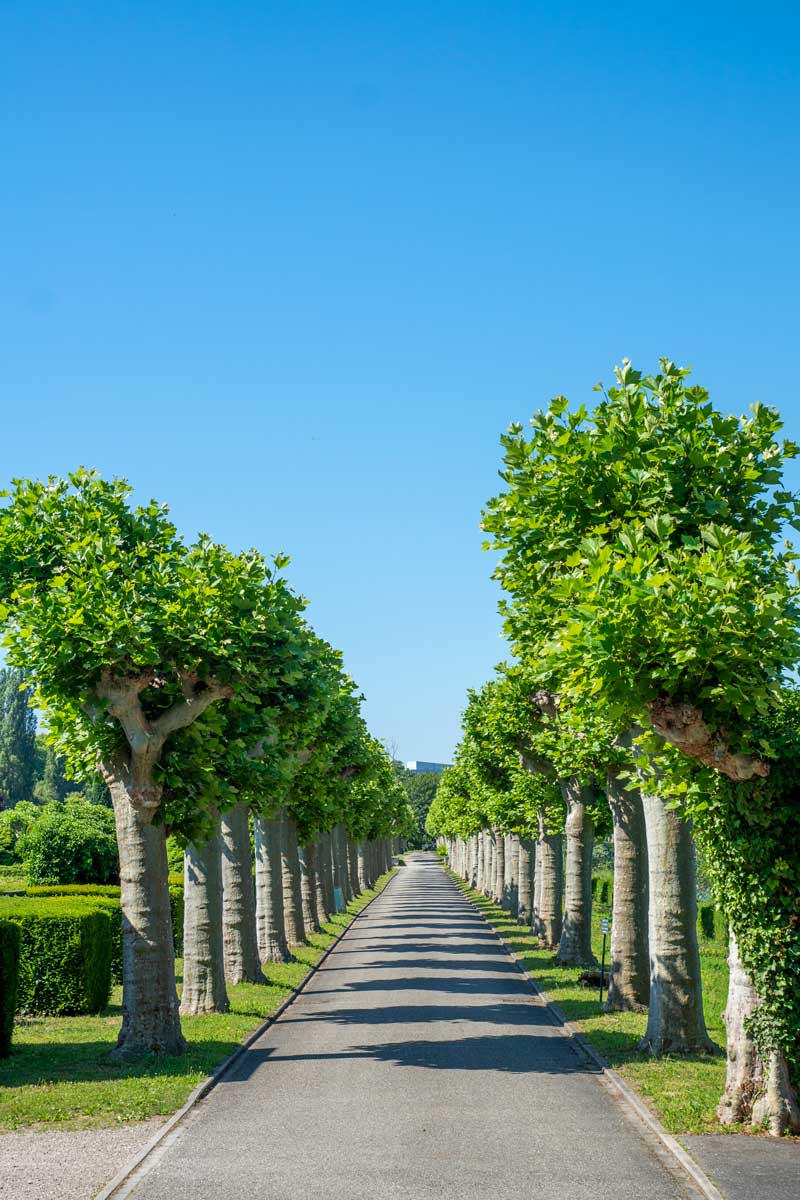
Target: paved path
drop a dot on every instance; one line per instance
(417, 1064)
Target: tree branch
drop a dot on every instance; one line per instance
(683, 726)
(185, 711)
(122, 693)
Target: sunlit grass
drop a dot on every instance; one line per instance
(59, 1070)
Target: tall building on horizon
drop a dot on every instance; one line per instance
(426, 768)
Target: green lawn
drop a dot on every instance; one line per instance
(684, 1092)
(59, 1072)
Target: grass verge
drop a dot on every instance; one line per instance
(59, 1073)
(682, 1091)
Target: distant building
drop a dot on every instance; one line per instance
(426, 768)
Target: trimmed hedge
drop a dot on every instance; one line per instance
(107, 896)
(65, 953)
(9, 980)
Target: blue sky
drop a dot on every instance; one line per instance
(293, 268)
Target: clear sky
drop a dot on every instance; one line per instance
(293, 268)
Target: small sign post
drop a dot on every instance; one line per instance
(604, 928)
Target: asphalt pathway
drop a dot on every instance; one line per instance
(418, 1063)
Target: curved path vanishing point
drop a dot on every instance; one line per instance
(417, 1063)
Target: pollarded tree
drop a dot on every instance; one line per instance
(129, 636)
(642, 547)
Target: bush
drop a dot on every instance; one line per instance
(9, 979)
(65, 952)
(71, 843)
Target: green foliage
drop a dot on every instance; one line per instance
(640, 544)
(65, 953)
(9, 982)
(96, 594)
(14, 824)
(17, 738)
(420, 788)
(641, 549)
(71, 843)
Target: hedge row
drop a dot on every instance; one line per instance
(65, 952)
(9, 980)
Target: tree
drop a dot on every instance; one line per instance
(641, 547)
(420, 787)
(129, 635)
(73, 842)
(17, 738)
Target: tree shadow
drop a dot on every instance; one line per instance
(520, 1054)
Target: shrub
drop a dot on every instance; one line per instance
(74, 842)
(65, 952)
(9, 979)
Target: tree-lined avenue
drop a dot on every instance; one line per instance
(417, 1063)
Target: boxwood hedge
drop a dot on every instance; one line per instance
(65, 952)
(9, 977)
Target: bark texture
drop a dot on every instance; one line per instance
(204, 988)
(575, 943)
(629, 969)
(675, 1020)
(150, 1019)
(239, 934)
(308, 885)
(524, 909)
(292, 889)
(272, 942)
(683, 726)
(499, 867)
(550, 886)
(755, 1092)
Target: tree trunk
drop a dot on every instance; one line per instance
(512, 873)
(488, 887)
(325, 868)
(363, 882)
(204, 988)
(308, 886)
(524, 910)
(754, 1092)
(550, 886)
(340, 876)
(481, 860)
(239, 934)
(272, 943)
(499, 867)
(292, 891)
(575, 944)
(320, 900)
(352, 866)
(675, 1020)
(629, 968)
(150, 1018)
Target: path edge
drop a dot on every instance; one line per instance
(670, 1143)
(112, 1189)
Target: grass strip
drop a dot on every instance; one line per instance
(59, 1073)
(683, 1091)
